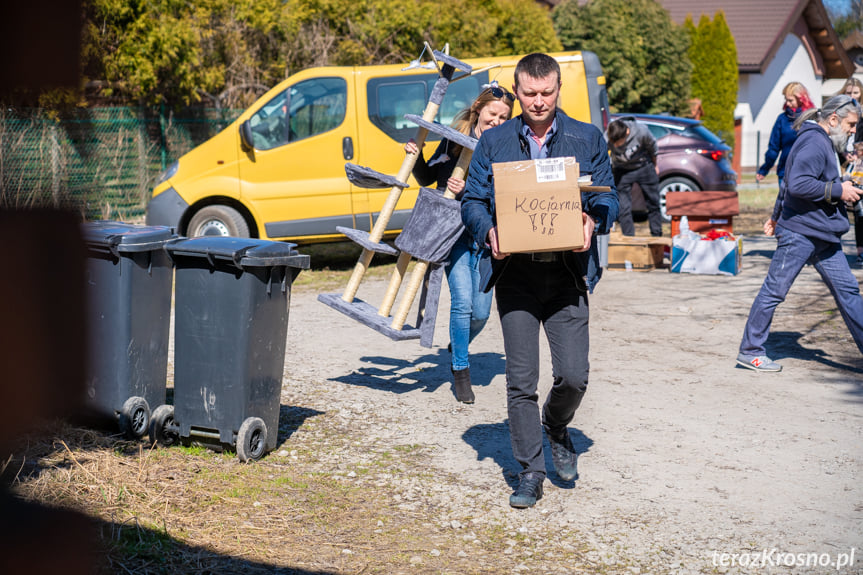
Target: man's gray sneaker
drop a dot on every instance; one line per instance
(563, 454)
(529, 490)
(758, 362)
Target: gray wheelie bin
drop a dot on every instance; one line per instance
(232, 298)
(128, 288)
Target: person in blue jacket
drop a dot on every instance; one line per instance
(811, 218)
(783, 134)
(470, 307)
(548, 289)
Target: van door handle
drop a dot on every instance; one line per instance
(348, 148)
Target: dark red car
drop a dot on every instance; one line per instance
(691, 158)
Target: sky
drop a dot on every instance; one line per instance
(838, 6)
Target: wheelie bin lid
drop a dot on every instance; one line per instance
(119, 237)
(241, 252)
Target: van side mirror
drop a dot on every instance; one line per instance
(246, 135)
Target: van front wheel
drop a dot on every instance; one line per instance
(218, 220)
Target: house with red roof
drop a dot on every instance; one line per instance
(778, 41)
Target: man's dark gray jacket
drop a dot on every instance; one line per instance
(638, 150)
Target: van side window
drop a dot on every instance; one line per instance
(389, 99)
(269, 126)
(316, 106)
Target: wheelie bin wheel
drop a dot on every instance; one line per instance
(251, 439)
(134, 417)
(162, 428)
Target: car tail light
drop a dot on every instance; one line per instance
(714, 155)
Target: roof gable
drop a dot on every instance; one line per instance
(760, 27)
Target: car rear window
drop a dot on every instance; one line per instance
(702, 133)
(657, 130)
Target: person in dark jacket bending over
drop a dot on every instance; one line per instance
(811, 219)
(633, 160)
(549, 288)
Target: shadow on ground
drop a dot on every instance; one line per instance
(77, 545)
(492, 441)
(291, 418)
(404, 376)
(785, 344)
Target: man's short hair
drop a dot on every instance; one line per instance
(537, 65)
(616, 130)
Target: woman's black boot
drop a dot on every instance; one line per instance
(463, 391)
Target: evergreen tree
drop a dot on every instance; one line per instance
(714, 73)
(643, 53)
(847, 21)
(698, 55)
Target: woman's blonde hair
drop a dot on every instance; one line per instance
(852, 81)
(465, 121)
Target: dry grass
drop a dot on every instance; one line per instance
(192, 510)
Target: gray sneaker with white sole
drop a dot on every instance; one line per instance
(757, 362)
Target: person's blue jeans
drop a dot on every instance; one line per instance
(530, 294)
(469, 307)
(793, 251)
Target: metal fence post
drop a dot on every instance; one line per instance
(55, 164)
(757, 148)
(142, 154)
(163, 149)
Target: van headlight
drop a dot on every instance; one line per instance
(169, 172)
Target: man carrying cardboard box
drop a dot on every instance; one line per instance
(547, 287)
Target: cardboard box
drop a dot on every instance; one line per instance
(538, 205)
(717, 257)
(636, 253)
(707, 210)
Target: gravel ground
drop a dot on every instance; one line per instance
(688, 464)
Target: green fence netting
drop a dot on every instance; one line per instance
(102, 162)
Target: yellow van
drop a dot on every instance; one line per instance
(278, 171)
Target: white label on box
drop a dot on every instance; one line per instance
(550, 170)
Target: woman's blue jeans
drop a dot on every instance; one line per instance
(469, 307)
(793, 251)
